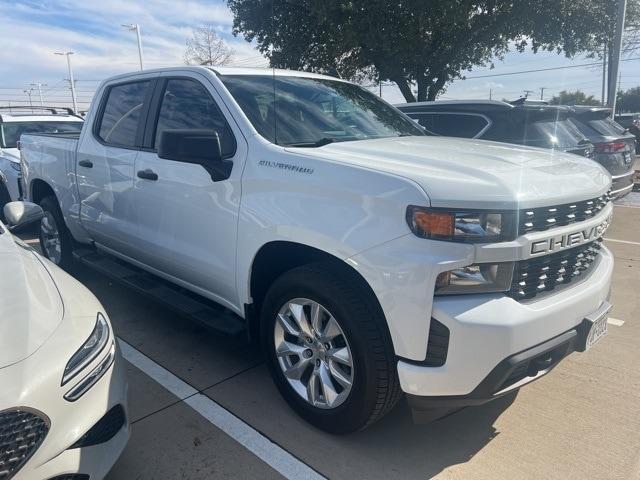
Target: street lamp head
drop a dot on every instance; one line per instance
(130, 26)
(63, 53)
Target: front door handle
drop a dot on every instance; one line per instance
(86, 163)
(148, 174)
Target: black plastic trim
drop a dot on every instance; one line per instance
(494, 383)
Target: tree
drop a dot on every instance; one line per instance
(416, 42)
(629, 100)
(207, 48)
(574, 98)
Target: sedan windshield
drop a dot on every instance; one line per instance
(10, 132)
(311, 112)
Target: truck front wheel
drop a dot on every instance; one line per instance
(55, 239)
(328, 348)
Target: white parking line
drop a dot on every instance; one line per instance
(615, 321)
(621, 241)
(276, 457)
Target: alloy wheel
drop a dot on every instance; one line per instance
(313, 353)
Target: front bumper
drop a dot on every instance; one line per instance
(65, 449)
(491, 335)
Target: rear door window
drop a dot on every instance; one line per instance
(187, 105)
(122, 113)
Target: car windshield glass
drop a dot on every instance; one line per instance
(11, 131)
(553, 134)
(311, 112)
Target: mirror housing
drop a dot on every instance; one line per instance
(19, 214)
(197, 146)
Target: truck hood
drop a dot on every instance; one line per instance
(463, 173)
(30, 306)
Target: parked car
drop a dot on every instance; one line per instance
(14, 121)
(369, 258)
(614, 145)
(631, 122)
(63, 397)
(544, 126)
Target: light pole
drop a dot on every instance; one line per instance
(72, 82)
(28, 92)
(542, 89)
(131, 27)
(615, 55)
(39, 87)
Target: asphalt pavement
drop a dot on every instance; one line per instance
(203, 406)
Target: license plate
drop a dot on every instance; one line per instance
(598, 326)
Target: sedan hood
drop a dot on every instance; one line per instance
(30, 306)
(11, 154)
(462, 173)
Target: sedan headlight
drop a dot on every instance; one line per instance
(461, 226)
(89, 351)
(477, 278)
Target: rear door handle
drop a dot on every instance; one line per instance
(148, 174)
(86, 163)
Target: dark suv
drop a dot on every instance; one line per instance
(525, 124)
(614, 145)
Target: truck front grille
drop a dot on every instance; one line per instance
(543, 218)
(21, 433)
(542, 274)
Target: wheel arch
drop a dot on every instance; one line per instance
(40, 189)
(275, 258)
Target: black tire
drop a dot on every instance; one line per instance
(4, 199)
(375, 389)
(52, 210)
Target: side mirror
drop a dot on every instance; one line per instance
(19, 214)
(198, 146)
(190, 146)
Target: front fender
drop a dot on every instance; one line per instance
(337, 208)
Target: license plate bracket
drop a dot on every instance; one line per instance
(594, 326)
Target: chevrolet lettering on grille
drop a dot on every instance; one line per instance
(569, 240)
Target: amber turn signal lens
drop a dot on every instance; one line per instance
(434, 224)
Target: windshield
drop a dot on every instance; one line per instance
(310, 112)
(11, 131)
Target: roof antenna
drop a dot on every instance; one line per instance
(273, 74)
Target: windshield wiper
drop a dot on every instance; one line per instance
(317, 143)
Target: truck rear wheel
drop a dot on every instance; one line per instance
(328, 348)
(55, 239)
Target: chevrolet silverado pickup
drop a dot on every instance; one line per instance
(369, 259)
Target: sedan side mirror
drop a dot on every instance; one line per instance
(198, 146)
(19, 214)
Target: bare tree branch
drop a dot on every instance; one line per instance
(207, 48)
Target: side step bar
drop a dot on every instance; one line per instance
(184, 302)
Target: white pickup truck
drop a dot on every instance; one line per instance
(368, 258)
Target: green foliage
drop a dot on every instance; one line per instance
(628, 101)
(427, 43)
(574, 98)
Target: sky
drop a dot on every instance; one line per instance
(33, 30)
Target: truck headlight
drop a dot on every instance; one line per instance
(15, 166)
(88, 352)
(461, 226)
(477, 278)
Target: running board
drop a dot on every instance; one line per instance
(199, 309)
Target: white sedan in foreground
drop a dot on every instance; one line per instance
(63, 410)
